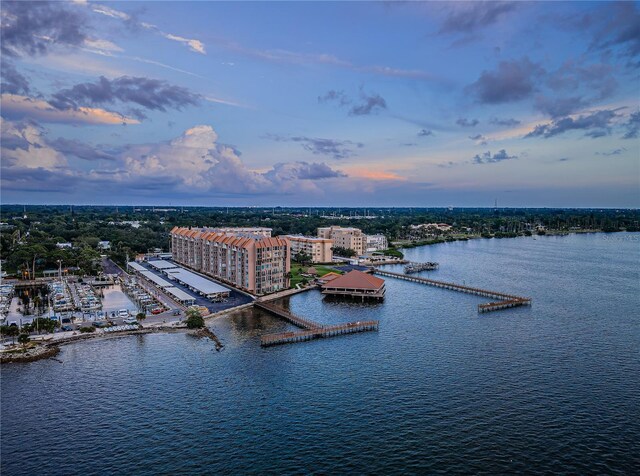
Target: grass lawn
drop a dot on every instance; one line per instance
(297, 269)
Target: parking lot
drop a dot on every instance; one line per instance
(236, 298)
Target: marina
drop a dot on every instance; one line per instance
(417, 267)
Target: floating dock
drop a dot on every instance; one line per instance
(311, 330)
(503, 300)
(417, 267)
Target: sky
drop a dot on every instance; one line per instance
(424, 104)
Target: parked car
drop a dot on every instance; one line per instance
(130, 321)
(156, 311)
(66, 320)
(176, 312)
(67, 328)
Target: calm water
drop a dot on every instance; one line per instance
(552, 388)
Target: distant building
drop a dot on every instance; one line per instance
(351, 238)
(319, 249)
(64, 245)
(262, 231)
(377, 243)
(131, 223)
(104, 245)
(357, 284)
(253, 262)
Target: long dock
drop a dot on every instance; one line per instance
(503, 300)
(328, 331)
(311, 330)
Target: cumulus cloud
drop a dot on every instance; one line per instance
(12, 81)
(24, 146)
(425, 133)
(149, 93)
(596, 124)
(510, 122)
(559, 107)
(488, 158)
(364, 105)
(33, 28)
(20, 107)
(511, 81)
(464, 122)
(338, 149)
(632, 126)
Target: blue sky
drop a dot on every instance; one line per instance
(321, 103)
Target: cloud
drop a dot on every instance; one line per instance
(479, 139)
(149, 93)
(511, 81)
(194, 45)
(103, 46)
(338, 149)
(633, 126)
(33, 28)
(618, 26)
(504, 122)
(369, 104)
(612, 152)
(366, 104)
(81, 150)
(12, 81)
(597, 124)
(488, 158)
(464, 122)
(596, 77)
(302, 171)
(24, 146)
(194, 163)
(559, 107)
(469, 17)
(18, 107)
(425, 133)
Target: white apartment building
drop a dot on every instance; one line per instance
(351, 238)
(318, 248)
(377, 243)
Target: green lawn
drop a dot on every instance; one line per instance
(297, 269)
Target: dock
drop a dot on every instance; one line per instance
(503, 300)
(327, 331)
(412, 267)
(311, 330)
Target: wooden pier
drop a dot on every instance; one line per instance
(291, 318)
(317, 333)
(311, 330)
(503, 300)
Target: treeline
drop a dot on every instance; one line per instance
(28, 236)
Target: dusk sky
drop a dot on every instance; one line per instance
(321, 104)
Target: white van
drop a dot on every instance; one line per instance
(123, 313)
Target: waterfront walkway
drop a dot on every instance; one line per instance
(311, 330)
(503, 300)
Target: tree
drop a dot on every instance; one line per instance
(141, 316)
(12, 331)
(302, 258)
(24, 340)
(346, 252)
(194, 319)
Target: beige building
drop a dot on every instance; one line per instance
(352, 238)
(318, 248)
(376, 243)
(252, 262)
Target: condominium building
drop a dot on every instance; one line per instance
(377, 243)
(351, 238)
(318, 248)
(253, 262)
